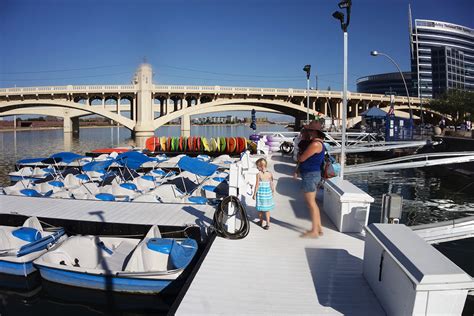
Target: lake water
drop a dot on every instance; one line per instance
(429, 194)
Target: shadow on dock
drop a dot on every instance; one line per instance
(284, 169)
(339, 283)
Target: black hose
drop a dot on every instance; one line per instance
(286, 147)
(221, 214)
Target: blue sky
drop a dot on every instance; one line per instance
(261, 43)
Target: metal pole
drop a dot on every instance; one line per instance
(307, 101)
(406, 87)
(421, 114)
(344, 110)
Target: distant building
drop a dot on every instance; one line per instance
(442, 58)
(386, 83)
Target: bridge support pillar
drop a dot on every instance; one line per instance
(144, 115)
(186, 125)
(299, 121)
(71, 125)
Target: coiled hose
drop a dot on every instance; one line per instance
(221, 214)
(287, 147)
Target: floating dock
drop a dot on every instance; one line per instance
(268, 272)
(276, 271)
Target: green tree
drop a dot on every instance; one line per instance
(458, 104)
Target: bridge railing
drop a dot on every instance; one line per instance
(276, 91)
(68, 89)
(200, 89)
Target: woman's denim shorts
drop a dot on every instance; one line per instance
(310, 180)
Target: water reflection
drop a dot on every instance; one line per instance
(429, 194)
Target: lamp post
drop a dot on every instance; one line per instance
(338, 15)
(420, 94)
(376, 53)
(307, 69)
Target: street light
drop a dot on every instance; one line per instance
(345, 4)
(420, 95)
(376, 53)
(307, 69)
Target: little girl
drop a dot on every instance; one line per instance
(264, 192)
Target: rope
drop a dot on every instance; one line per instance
(221, 214)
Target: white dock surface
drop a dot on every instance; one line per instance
(277, 272)
(111, 212)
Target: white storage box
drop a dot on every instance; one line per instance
(409, 276)
(346, 205)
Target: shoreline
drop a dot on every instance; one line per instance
(26, 129)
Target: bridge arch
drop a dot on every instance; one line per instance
(234, 105)
(13, 105)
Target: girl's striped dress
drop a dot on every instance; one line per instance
(264, 197)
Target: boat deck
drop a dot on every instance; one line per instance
(277, 272)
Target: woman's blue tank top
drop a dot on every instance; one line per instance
(313, 163)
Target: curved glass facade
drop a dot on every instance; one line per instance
(386, 83)
(442, 57)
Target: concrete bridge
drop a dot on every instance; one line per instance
(151, 106)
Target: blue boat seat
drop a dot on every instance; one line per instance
(148, 178)
(182, 254)
(159, 172)
(160, 245)
(57, 184)
(30, 193)
(27, 234)
(105, 197)
(197, 199)
(211, 188)
(129, 186)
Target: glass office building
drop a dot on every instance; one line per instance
(442, 57)
(387, 83)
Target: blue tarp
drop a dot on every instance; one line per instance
(133, 159)
(67, 156)
(197, 166)
(374, 112)
(98, 165)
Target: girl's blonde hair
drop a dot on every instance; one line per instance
(259, 161)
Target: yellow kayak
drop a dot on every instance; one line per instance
(205, 144)
(214, 146)
(163, 143)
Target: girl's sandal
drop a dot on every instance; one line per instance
(266, 227)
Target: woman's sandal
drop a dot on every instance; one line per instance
(266, 227)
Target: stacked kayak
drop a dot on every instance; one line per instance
(181, 144)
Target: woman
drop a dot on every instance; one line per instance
(309, 167)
